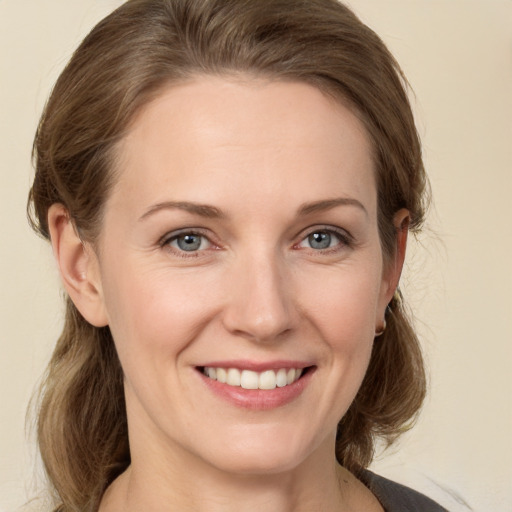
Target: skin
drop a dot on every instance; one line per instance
(257, 289)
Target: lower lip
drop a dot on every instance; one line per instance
(258, 399)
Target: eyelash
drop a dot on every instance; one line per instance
(166, 240)
(345, 241)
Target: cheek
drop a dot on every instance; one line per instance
(155, 315)
(343, 304)
(340, 305)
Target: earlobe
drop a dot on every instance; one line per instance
(78, 266)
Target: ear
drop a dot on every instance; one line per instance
(393, 267)
(78, 266)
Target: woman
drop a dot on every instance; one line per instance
(228, 189)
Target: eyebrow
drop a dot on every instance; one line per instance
(328, 204)
(212, 212)
(203, 210)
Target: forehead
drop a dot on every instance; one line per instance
(206, 102)
(255, 135)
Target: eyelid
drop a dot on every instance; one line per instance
(345, 237)
(171, 235)
(165, 241)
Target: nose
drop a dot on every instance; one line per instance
(260, 302)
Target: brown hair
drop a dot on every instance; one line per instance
(120, 66)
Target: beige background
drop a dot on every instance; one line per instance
(458, 57)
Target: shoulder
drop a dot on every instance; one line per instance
(396, 497)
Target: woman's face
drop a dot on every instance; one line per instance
(241, 242)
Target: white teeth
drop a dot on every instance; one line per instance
(267, 380)
(281, 379)
(233, 377)
(248, 379)
(221, 375)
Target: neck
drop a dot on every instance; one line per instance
(194, 485)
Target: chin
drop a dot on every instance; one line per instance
(261, 454)
(268, 463)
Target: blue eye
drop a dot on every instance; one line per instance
(322, 239)
(189, 242)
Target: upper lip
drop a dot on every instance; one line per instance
(257, 366)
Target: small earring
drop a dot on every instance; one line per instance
(380, 332)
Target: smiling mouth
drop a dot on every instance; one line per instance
(248, 379)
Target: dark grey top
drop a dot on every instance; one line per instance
(396, 497)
